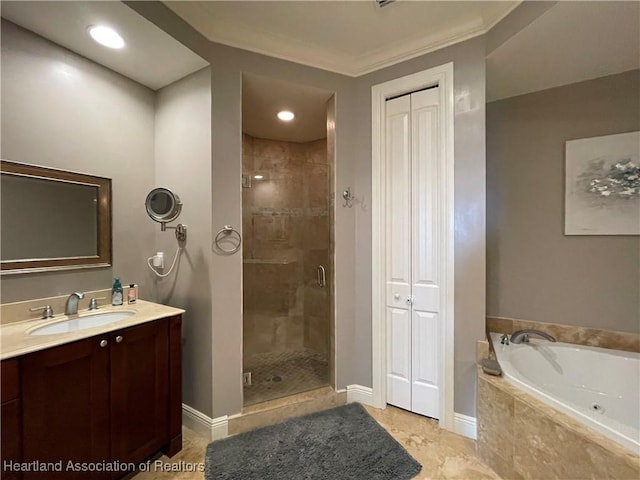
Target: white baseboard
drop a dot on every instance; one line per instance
(465, 425)
(360, 394)
(462, 424)
(220, 428)
(216, 428)
(210, 428)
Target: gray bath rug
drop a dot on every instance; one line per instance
(343, 443)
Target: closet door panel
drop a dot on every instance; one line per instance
(425, 193)
(425, 364)
(413, 217)
(398, 202)
(425, 254)
(399, 357)
(398, 264)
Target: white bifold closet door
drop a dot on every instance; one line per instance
(412, 256)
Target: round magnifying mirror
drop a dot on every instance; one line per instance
(163, 205)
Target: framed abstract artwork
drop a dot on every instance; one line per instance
(602, 189)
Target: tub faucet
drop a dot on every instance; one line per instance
(523, 335)
(72, 303)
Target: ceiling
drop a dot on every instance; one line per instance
(150, 57)
(259, 109)
(348, 37)
(569, 43)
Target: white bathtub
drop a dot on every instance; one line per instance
(597, 386)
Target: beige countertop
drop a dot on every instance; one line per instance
(15, 339)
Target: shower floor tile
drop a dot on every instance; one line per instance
(275, 375)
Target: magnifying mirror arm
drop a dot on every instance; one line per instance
(181, 231)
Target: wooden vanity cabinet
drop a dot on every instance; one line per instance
(10, 448)
(65, 392)
(104, 399)
(139, 391)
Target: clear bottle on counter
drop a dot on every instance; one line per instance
(132, 294)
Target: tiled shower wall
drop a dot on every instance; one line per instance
(286, 228)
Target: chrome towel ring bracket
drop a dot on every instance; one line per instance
(225, 237)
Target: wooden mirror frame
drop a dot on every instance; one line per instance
(104, 250)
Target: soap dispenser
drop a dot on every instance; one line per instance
(116, 292)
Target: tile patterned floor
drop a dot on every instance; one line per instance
(443, 455)
(275, 375)
(181, 466)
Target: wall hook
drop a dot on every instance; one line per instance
(348, 198)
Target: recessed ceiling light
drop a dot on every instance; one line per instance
(106, 36)
(258, 177)
(286, 116)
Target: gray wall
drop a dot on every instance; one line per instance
(469, 179)
(183, 164)
(63, 111)
(352, 226)
(516, 20)
(228, 64)
(534, 271)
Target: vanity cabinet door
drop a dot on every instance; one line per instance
(139, 391)
(10, 439)
(65, 398)
(10, 417)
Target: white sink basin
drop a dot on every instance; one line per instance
(81, 323)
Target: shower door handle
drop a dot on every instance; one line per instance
(322, 276)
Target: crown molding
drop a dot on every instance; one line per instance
(413, 49)
(273, 45)
(277, 46)
(318, 57)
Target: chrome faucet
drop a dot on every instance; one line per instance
(523, 335)
(72, 303)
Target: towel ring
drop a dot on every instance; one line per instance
(224, 234)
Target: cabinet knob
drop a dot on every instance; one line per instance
(119, 339)
(103, 343)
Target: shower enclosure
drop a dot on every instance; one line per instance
(287, 273)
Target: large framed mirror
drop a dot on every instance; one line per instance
(53, 219)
